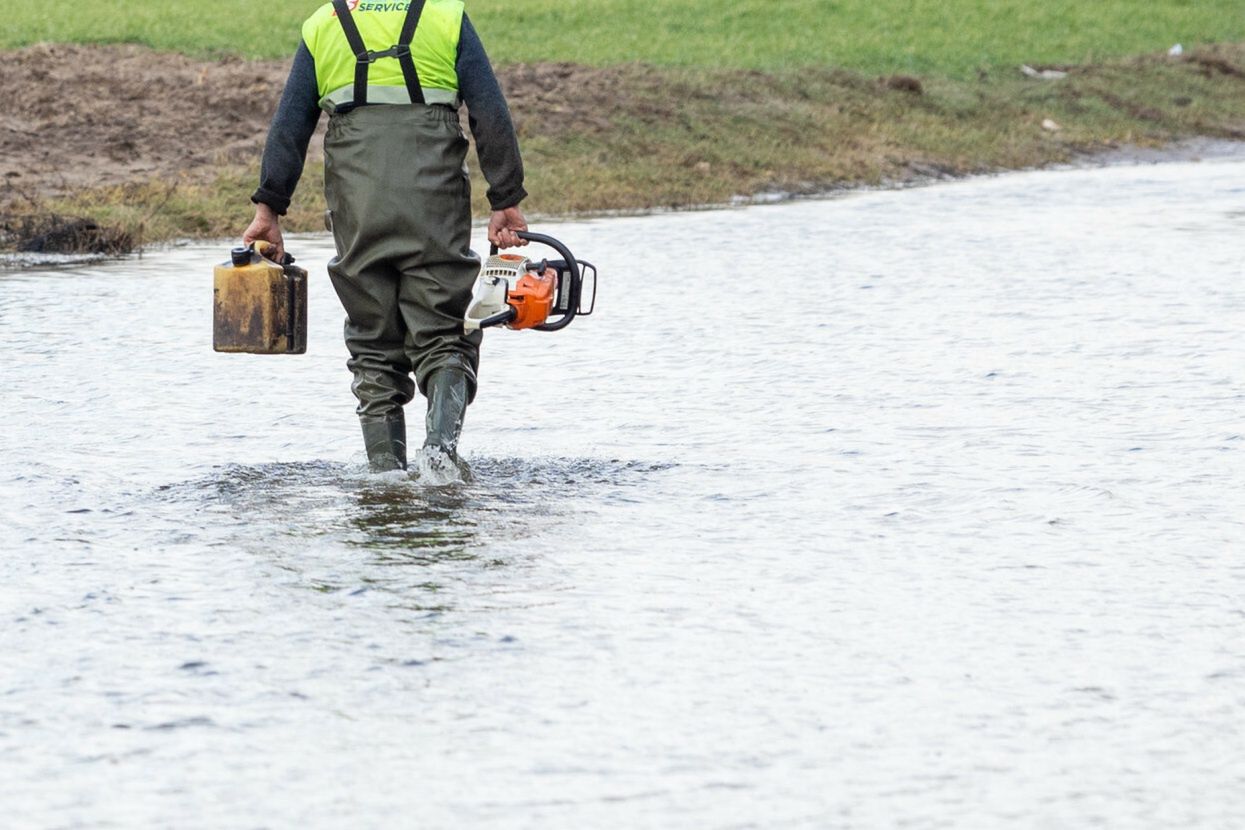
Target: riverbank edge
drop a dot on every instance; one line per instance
(634, 139)
(1195, 150)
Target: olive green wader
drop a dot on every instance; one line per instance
(400, 208)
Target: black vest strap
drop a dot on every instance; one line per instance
(409, 72)
(364, 58)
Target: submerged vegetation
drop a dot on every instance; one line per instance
(704, 103)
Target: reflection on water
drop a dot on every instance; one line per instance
(932, 520)
(416, 528)
(374, 512)
(399, 518)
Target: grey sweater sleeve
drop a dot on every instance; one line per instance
(285, 152)
(496, 142)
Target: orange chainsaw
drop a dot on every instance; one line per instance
(522, 293)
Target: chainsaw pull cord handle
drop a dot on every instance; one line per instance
(572, 267)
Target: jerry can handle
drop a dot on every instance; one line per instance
(242, 255)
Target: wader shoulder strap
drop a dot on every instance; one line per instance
(364, 58)
(409, 72)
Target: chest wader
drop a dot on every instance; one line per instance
(400, 207)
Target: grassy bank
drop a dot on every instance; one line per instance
(944, 37)
(702, 103)
(680, 137)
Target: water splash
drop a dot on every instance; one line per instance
(434, 467)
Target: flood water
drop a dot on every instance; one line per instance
(905, 509)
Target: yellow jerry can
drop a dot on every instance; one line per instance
(260, 307)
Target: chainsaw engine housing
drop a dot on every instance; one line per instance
(516, 291)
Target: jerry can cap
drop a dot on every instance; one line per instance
(240, 256)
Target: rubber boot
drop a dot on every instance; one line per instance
(448, 392)
(385, 441)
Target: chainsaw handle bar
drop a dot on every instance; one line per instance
(572, 267)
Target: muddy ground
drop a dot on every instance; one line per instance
(90, 116)
(78, 116)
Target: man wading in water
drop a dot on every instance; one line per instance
(391, 76)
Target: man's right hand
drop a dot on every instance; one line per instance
(504, 225)
(266, 226)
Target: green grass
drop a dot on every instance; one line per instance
(946, 37)
(953, 38)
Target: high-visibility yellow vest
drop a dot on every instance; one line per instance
(434, 49)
